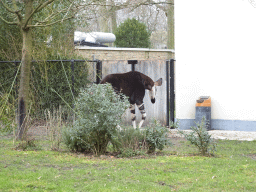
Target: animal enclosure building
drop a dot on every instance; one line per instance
(154, 63)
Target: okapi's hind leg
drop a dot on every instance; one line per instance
(133, 116)
(143, 113)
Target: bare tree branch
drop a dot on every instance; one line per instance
(8, 22)
(37, 9)
(129, 4)
(8, 8)
(52, 16)
(43, 5)
(16, 11)
(45, 25)
(68, 10)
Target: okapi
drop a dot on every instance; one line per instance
(133, 84)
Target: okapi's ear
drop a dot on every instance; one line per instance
(158, 82)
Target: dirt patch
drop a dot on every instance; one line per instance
(38, 128)
(252, 156)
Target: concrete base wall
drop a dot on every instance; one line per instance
(221, 124)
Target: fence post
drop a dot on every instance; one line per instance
(72, 77)
(172, 91)
(98, 71)
(16, 81)
(168, 95)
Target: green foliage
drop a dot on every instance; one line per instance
(98, 112)
(174, 125)
(7, 113)
(10, 39)
(133, 34)
(128, 142)
(128, 152)
(201, 138)
(156, 136)
(131, 142)
(50, 86)
(131, 138)
(28, 145)
(51, 83)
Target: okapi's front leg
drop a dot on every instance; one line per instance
(133, 116)
(143, 113)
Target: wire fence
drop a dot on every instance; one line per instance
(52, 82)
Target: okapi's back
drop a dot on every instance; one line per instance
(125, 82)
(131, 78)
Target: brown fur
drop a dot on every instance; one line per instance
(132, 84)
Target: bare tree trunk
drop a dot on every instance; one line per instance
(25, 73)
(170, 25)
(113, 17)
(103, 20)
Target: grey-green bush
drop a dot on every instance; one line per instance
(134, 142)
(201, 138)
(98, 112)
(156, 136)
(131, 142)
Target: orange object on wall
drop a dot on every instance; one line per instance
(204, 101)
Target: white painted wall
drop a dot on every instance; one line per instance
(215, 50)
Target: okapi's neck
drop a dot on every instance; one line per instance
(148, 82)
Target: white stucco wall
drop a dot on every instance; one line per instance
(215, 49)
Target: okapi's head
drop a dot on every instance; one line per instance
(151, 86)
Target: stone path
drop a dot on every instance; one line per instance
(219, 134)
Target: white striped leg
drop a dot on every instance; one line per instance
(133, 116)
(143, 113)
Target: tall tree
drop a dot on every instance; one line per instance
(26, 15)
(170, 24)
(168, 7)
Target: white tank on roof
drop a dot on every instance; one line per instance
(94, 37)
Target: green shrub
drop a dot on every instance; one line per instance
(132, 33)
(98, 112)
(156, 136)
(201, 138)
(131, 142)
(132, 138)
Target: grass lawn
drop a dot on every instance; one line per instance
(178, 168)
